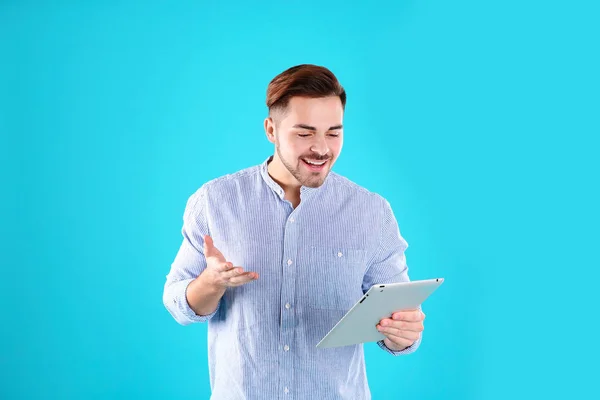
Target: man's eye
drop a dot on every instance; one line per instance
(308, 134)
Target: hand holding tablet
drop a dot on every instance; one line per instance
(381, 302)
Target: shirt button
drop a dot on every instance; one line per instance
(292, 219)
(289, 262)
(286, 347)
(340, 254)
(286, 390)
(287, 305)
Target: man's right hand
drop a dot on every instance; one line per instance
(220, 272)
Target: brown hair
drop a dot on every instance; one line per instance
(304, 80)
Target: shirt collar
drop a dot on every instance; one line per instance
(275, 186)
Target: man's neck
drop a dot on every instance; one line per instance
(288, 183)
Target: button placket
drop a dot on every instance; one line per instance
(288, 316)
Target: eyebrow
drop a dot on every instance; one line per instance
(312, 128)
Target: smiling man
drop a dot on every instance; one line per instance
(275, 254)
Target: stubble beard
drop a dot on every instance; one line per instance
(313, 180)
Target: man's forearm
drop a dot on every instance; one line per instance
(203, 296)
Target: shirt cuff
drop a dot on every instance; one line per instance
(410, 349)
(184, 307)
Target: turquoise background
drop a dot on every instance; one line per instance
(478, 121)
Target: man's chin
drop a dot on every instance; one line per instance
(315, 183)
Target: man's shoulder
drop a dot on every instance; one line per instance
(354, 189)
(233, 178)
(227, 182)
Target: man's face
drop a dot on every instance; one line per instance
(309, 137)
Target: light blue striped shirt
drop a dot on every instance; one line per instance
(314, 262)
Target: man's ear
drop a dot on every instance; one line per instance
(270, 129)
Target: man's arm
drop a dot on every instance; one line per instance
(388, 264)
(182, 290)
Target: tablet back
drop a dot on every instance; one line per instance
(380, 301)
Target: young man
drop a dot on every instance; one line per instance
(274, 255)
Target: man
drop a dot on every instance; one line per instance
(275, 254)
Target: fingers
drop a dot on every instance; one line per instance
(391, 331)
(234, 276)
(403, 325)
(224, 266)
(409, 315)
(223, 272)
(232, 272)
(243, 279)
(402, 332)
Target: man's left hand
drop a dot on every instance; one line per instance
(402, 329)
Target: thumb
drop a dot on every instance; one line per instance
(209, 247)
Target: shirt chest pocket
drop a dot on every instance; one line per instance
(334, 277)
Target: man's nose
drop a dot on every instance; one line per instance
(320, 146)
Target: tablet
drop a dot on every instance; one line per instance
(380, 301)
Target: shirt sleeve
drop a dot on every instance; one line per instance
(388, 264)
(189, 262)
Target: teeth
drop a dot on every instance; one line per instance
(315, 163)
